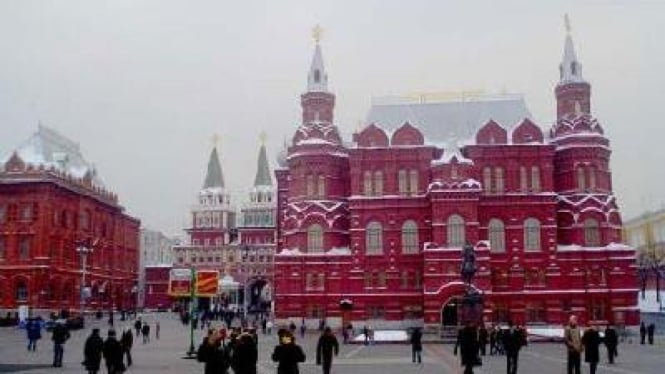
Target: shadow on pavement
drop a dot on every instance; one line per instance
(14, 368)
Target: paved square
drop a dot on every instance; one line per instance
(164, 355)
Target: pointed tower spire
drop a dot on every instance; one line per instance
(570, 69)
(317, 79)
(214, 176)
(262, 169)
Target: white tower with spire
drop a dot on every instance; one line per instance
(570, 69)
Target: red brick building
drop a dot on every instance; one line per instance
(380, 222)
(51, 203)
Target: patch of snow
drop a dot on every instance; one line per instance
(650, 303)
(385, 336)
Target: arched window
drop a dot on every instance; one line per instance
(322, 186)
(532, 234)
(455, 231)
(591, 233)
(454, 174)
(410, 237)
(315, 238)
(310, 185)
(402, 182)
(487, 179)
(581, 183)
(535, 179)
(592, 178)
(500, 180)
(374, 238)
(21, 291)
(413, 182)
(523, 180)
(378, 183)
(367, 183)
(497, 235)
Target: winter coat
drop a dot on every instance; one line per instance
(591, 342)
(245, 355)
(417, 340)
(482, 335)
(288, 356)
(127, 340)
(60, 333)
(92, 351)
(611, 338)
(113, 354)
(34, 330)
(326, 347)
(513, 340)
(467, 341)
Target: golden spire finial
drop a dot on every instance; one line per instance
(262, 137)
(566, 21)
(317, 33)
(215, 140)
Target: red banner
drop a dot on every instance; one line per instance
(206, 282)
(180, 282)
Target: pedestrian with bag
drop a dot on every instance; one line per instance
(326, 347)
(92, 352)
(112, 352)
(573, 340)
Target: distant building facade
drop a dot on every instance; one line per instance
(53, 203)
(156, 258)
(379, 223)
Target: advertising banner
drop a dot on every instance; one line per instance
(206, 282)
(180, 282)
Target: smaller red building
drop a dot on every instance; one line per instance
(52, 204)
(156, 287)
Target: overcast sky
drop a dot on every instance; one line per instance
(143, 85)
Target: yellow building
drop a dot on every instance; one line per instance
(646, 234)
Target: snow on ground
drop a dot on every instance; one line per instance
(385, 336)
(649, 304)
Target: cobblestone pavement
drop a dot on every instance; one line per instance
(165, 355)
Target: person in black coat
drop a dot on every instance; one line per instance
(126, 341)
(59, 336)
(643, 332)
(416, 345)
(591, 342)
(513, 340)
(651, 330)
(467, 342)
(245, 355)
(113, 354)
(325, 348)
(288, 354)
(482, 339)
(611, 342)
(92, 352)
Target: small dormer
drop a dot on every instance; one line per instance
(527, 132)
(371, 136)
(491, 133)
(407, 135)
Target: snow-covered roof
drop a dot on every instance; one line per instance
(439, 121)
(49, 148)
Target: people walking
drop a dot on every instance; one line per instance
(126, 341)
(137, 326)
(213, 353)
(303, 329)
(651, 330)
(112, 352)
(492, 338)
(467, 343)
(157, 330)
(366, 334)
(573, 340)
(34, 331)
(591, 342)
(325, 348)
(611, 342)
(245, 355)
(288, 354)
(513, 341)
(59, 336)
(416, 346)
(145, 331)
(92, 352)
(643, 332)
(482, 339)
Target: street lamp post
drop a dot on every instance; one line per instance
(83, 252)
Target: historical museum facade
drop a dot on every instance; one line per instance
(378, 224)
(58, 226)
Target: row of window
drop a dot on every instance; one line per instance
(316, 186)
(494, 181)
(407, 182)
(24, 246)
(536, 312)
(16, 212)
(258, 218)
(586, 177)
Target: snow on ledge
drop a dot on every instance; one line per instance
(579, 248)
(336, 251)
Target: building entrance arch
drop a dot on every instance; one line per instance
(258, 296)
(450, 312)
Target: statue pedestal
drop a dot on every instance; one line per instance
(472, 306)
